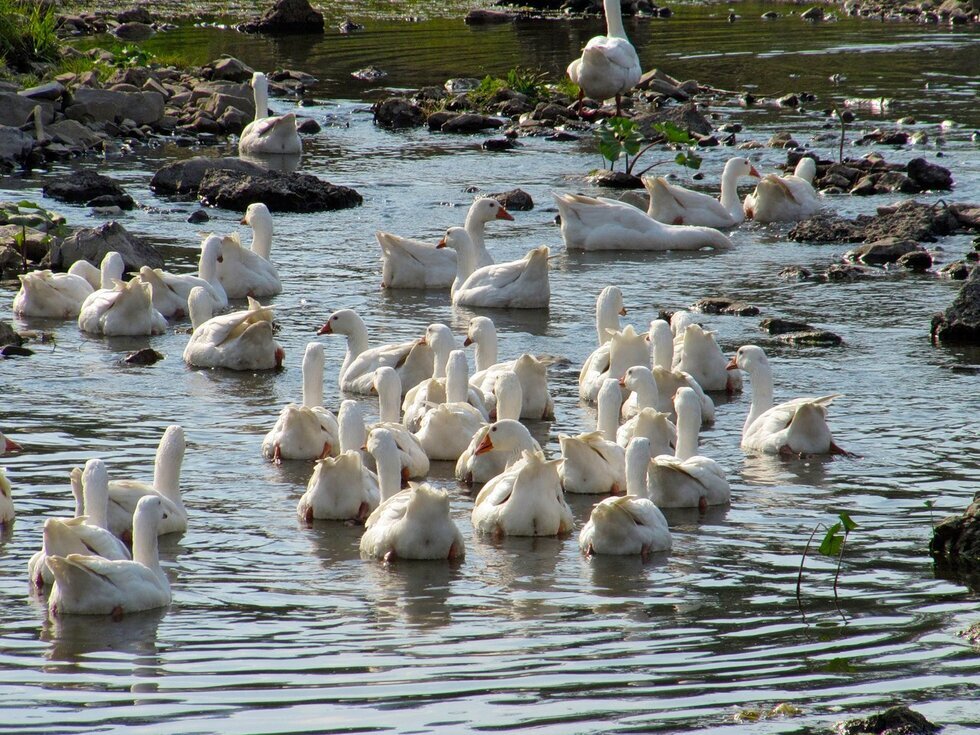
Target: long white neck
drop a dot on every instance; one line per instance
(199, 305)
(761, 377)
(637, 466)
(510, 396)
(77, 492)
(95, 493)
(661, 344)
(261, 225)
(486, 348)
(475, 227)
(389, 465)
(169, 459)
(146, 549)
(313, 362)
(350, 420)
(457, 378)
(389, 388)
(688, 408)
(465, 261)
(647, 394)
(357, 342)
(442, 343)
(614, 19)
(607, 308)
(729, 188)
(207, 264)
(112, 268)
(260, 90)
(609, 402)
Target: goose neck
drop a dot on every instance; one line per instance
(166, 467)
(389, 468)
(260, 91)
(609, 400)
(351, 429)
(486, 351)
(729, 190)
(688, 426)
(637, 465)
(614, 19)
(313, 377)
(146, 550)
(762, 400)
(457, 379)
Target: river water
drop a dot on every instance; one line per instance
(276, 627)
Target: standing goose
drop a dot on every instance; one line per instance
(92, 585)
(631, 524)
(240, 340)
(267, 134)
(307, 431)
(593, 462)
(609, 66)
(675, 205)
(797, 427)
(784, 198)
(249, 272)
(526, 500)
(410, 263)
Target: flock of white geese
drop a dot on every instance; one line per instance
(651, 387)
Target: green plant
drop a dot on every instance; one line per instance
(620, 137)
(131, 55)
(566, 87)
(528, 82)
(27, 33)
(832, 544)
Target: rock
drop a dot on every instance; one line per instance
(307, 126)
(500, 144)
(782, 140)
(397, 112)
(811, 338)
(481, 17)
(722, 305)
(968, 215)
(134, 31)
(281, 192)
(918, 261)
(775, 325)
(686, 117)
(891, 182)
(470, 122)
(369, 74)
(826, 228)
(50, 91)
(92, 243)
(847, 273)
(898, 720)
(198, 216)
(788, 100)
(814, 14)
(461, 85)
(115, 204)
(439, 118)
(15, 145)
(233, 120)
(960, 323)
(72, 133)
(616, 180)
(349, 26)
(83, 186)
(515, 200)
(229, 69)
(145, 356)
(957, 271)
(286, 16)
(796, 273)
(104, 105)
(880, 252)
(16, 110)
(184, 177)
(8, 336)
(909, 220)
(15, 351)
(928, 175)
(134, 15)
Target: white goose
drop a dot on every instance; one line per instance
(631, 524)
(687, 479)
(410, 263)
(797, 427)
(445, 431)
(170, 290)
(497, 446)
(611, 361)
(91, 585)
(124, 495)
(645, 419)
(675, 205)
(248, 272)
(519, 284)
(702, 358)
(412, 360)
(241, 340)
(593, 463)
(784, 198)
(414, 461)
(125, 310)
(307, 431)
(670, 380)
(608, 308)
(609, 66)
(268, 134)
(50, 295)
(83, 534)
(7, 512)
(604, 224)
(525, 500)
(413, 524)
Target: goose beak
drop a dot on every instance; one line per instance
(11, 446)
(326, 329)
(442, 242)
(467, 342)
(622, 312)
(374, 390)
(754, 172)
(732, 365)
(485, 446)
(504, 214)
(622, 381)
(280, 356)
(244, 220)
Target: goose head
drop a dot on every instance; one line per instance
(486, 209)
(479, 330)
(343, 321)
(456, 238)
(748, 358)
(503, 435)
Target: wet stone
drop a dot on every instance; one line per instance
(929, 176)
(722, 305)
(775, 325)
(145, 356)
(397, 112)
(500, 144)
(918, 261)
(898, 720)
(83, 186)
(960, 323)
(886, 250)
(517, 200)
(811, 338)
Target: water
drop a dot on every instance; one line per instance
(280, 628)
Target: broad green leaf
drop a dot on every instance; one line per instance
(831, 544)
(849, 525)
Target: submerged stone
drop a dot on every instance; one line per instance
(898, 720)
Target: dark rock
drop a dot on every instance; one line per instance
(898, 720)
(104, 105)
(73, 134)
(439, 118)
(50, 91)
(308, 126)
(122, 201)
(198, 216)
(516, 200)
(482, 17)
(92, 244)
(929, 176)
(286, 16)
(232, 120)
(83, 186)
(134, 15)
(470, 122)
(133, 31)
(788, 100)
(815, 13)
(826, 228)
(686, 117)
(229, 69)
(880, 252)
(796, 273)
(919, 261)
(397, 112)
(910, 220)
(8, 336)
(811, 338)
(775, 325)
(15, 351)
(553, 113)
(500, 144)
(895, 181)
(184, 177)
(848, 273)
(562, 136)
(15, 145)
(957, 271)
(513, 107)
(349, 26)
(960, 323)
(782, 140)
(369, 74)
(616, 180)
(722, 305)
(281, 192)
(968, 216)
(145, 356)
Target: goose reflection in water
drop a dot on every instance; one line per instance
(73, 638)
(409, 592)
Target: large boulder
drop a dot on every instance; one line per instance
(280, 192)
(16, 109)
(687, 117)
(286, 16)
(960, 323)
(84, 186)
(184, 177)
(92, 244)
(15, 145)
(105, 105)
(929, 175)
(397, 112)
(73, 134)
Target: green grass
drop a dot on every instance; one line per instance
(27, 33)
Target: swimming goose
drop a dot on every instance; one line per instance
(609, 65)
(125, 310)
(268, 134)
(410, 263)
(124, 495)
(50, 295)
(675, 205)
(91, 585)
(784, 198)
(170, 290)
(604, 224)
(413, 524)
(519, 284)
(687, 479)
(702, 358)
(797, 427)
(645, 419)
(446, 429)
(414, 461)
(307, 431)
(668, 379)
(631, 524)
(249, 272)
(593, 462)
(83, 534)
(7, 513)
(608, 308)
(525, 500)
(412, 360)
(240, 340)
(611, 360)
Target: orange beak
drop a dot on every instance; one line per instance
(244, 221)
(504, 214)
(442, 243)
(622, 381)
(732, 365)
(754, 172)
(423, 341)
(622, 312)
(485, 446)
(467, 342)
(326, 329)
(11, 446)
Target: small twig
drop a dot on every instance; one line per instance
(799, 577)
(840, 559)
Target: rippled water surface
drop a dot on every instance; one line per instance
(278, 627)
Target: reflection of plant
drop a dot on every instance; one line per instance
(832, 544)
(620, 137)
